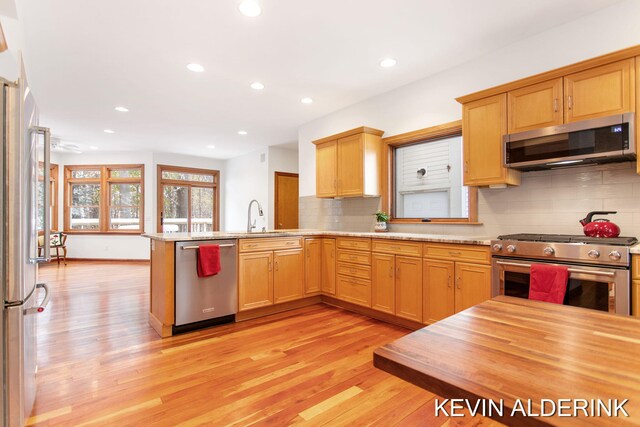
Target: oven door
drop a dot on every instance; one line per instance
(598, 288)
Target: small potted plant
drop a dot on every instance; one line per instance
(381, 221)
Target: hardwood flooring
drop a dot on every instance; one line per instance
(100, 363)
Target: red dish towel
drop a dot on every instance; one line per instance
(548, 283)
(208, 260)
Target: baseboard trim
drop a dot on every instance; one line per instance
(106, 260)
(278, 308)
(375, 314)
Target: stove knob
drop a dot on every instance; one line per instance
(497, 247)
(593, 253)
(549, 250)
(511, 249)
(615, 255)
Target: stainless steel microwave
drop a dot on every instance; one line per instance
(602, 140)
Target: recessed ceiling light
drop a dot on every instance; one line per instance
(109, 131)
(306, 100)
(242, 132)
(93, 147)
(250, 8)
(122, 109)
(196, 68)
(211, 146)
(257, 86)
(388, 62)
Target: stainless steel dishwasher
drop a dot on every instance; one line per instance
(204, 301)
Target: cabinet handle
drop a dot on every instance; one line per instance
(353, 257)
(276, 265)
(308, 254)
(252, 245)
(555, 105)
(570, 102)
(458, 283)
(390, 271)
(397, 272)
(332, 254)
(455, 253)
(291, 243)
(466, 165)
(269, 263)
(449, 281)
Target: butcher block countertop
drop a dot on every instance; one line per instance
(440, 238)
(525, 351)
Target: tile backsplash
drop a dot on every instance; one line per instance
(546, 202)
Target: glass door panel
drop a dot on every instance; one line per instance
(201, 209)
(175, 208)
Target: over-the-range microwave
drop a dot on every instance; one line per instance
(601, 140)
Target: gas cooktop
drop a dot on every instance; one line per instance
(568, 238)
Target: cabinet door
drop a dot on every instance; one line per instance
(535, 106)
(409, 288)
(255, 280)
(312, 265)
(484, 122)
(600, 91)
(351, 166)
(326, 169)
(329, 266)
(356, 291)
(383, 283)
(635, 297)
(473, 285)
(438, 293)
(288, 275)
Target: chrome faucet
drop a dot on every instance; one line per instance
(252, 225)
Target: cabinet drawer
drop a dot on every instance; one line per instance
(353, 243)
(356, 291)
(354, 270)
(635, 266)
(396, 247)
(251, 245)
(356, 257)
(469, 253)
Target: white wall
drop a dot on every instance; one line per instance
(280, 160)
(247, 179)
(431, 101)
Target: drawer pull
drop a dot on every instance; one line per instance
(252, 245)
(455, 253)
(353, 257)
(353, 270)
(291, 243)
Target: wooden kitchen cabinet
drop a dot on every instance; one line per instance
(349, 164)
(255, 279)
(635, 285)
(600, 91)
(327, 169)
(439, 295)
(473, 285)
(396, 286)
(536, 106)
(288, 275)
(456, 277)
(353, 270)
(383, 283)
(329, 266)
(312, 265)
(484, 122)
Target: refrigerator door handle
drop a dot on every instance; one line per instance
(43, 304)
(47, 196)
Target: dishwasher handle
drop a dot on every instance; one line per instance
(197, 247)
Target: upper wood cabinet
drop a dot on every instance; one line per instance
(484, 122)
(349, 164)
(535, 106)
(600, 91)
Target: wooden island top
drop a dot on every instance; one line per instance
(524, 351)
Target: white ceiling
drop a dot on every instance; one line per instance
(84, 57)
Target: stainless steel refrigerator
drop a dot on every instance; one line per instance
(24, 167)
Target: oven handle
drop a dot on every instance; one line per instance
(571, 270)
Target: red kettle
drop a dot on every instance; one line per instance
(599, 227)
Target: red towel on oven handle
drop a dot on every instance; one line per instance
(548, 282)
(208, 260)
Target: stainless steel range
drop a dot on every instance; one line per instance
(599, 268)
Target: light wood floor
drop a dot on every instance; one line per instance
(101, 364)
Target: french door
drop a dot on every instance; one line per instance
(188, 200)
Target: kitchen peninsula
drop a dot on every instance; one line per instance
(403, 278)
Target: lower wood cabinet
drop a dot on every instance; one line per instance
(329, 266)
(288, 276)
(312, 265)
(353, 290)
(383, 283)
(408, 288)
(450, 287)
(255, 279)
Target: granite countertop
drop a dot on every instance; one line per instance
(440, 238)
